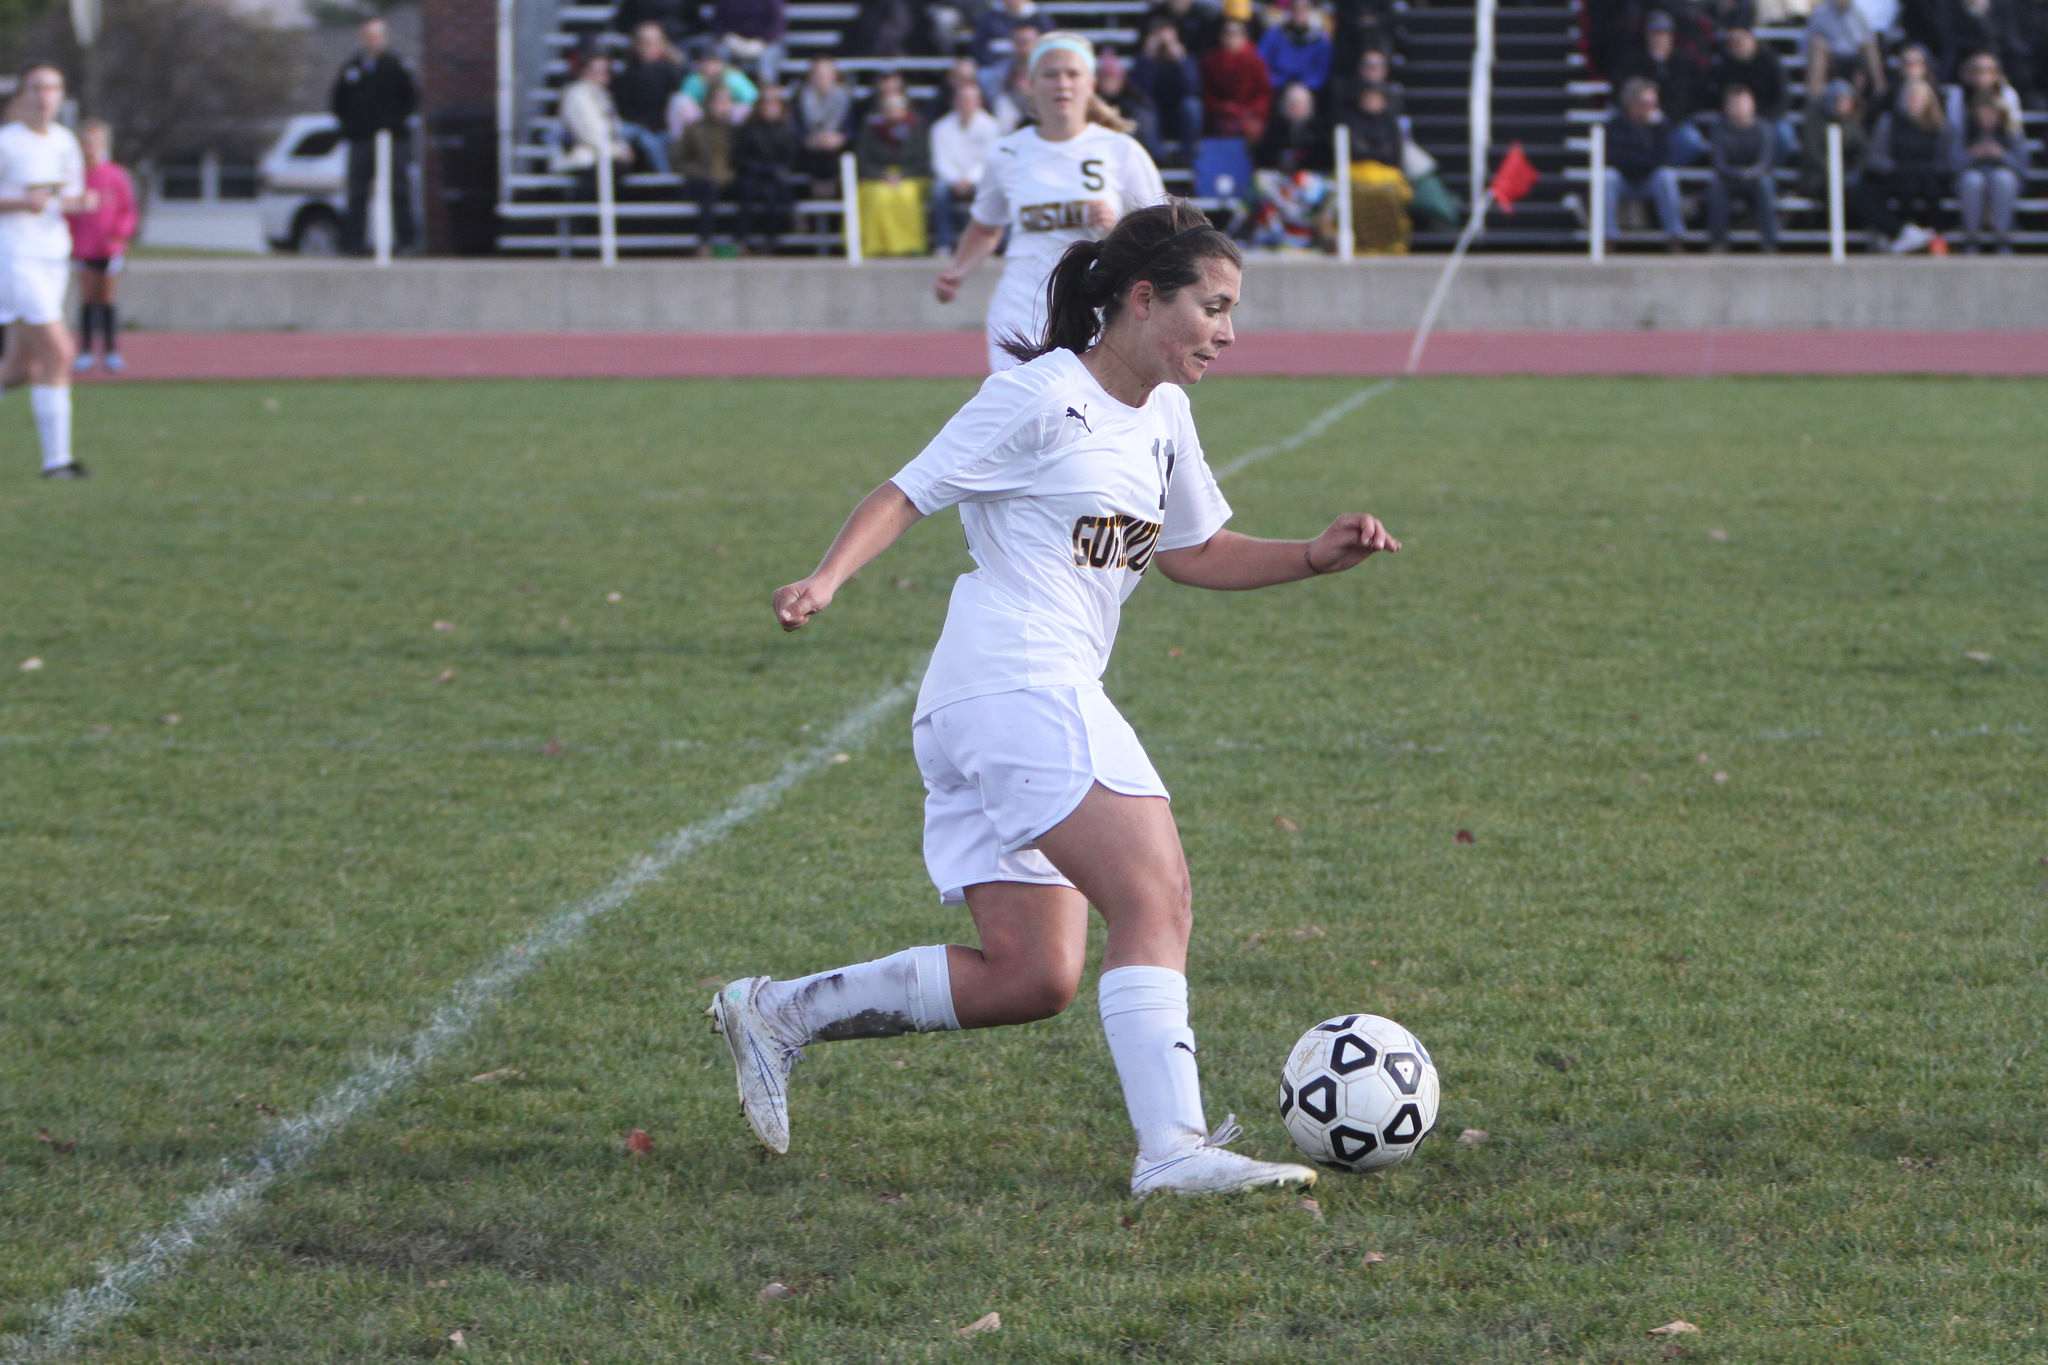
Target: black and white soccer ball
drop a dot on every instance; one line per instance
(1358, 1093)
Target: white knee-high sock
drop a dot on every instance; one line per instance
(52, 404)
(906, 992)
(1145, 1017)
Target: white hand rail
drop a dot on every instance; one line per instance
(1596, 193)
(380, 198)
(1345, 247)
(1838, 245)
(608, 207)
(1480, 112)
(849, 193)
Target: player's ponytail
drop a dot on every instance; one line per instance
(1103, 112)
(1165, 244)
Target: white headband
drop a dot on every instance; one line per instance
(1061, 42)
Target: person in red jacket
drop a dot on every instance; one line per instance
(99, 237)
(1237, 90)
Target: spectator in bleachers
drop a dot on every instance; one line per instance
(1355, 26)
(1237, 92)
(824, 120)
(991, 40)
(675, 18)
(751, 33)
(1297, 51)
(712, 72)
(1993, 165)
(1170, 79)
(1841, 45)
(704, 159)
(1678, 83)
(1639, 162)
(1113, 85)
(1724, 15)
(941, 102)
(1291, 175)
(641, 90)
(1007, 84)
(960, 147)
(1198, 22)
(1864, 205)
(590, 122)
(1981, 78)
(764, 155)
(1981, 26)
(1747, 63)
(1742, 152)
(1914, 63)
(893, 153)
(1374, 67)
(1910, 156)
(1379, 188)
(889, 28)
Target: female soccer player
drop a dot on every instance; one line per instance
(42, 176)
(1068, 179)
(1074, 472)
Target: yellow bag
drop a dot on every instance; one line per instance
(1379, 212)
(892, 219)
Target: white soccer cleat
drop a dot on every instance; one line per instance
(1207, 1168)
(760, 1056)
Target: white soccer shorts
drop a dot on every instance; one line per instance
(32, 290)
(1001, 770)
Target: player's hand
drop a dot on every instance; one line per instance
(799, 602)
(1350, 541)
(36, 197)
(948, 285)
(1101, 215)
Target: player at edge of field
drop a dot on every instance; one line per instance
(1069, 178)
(1073, 472)
(42, 177)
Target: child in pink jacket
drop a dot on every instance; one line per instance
(98, 239)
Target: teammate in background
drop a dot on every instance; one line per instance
(42, 177)
(1074, 472)
(99, 237)
(1068, 179)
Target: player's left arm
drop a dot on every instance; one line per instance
(1230, 562)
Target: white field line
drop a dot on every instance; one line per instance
(1321, 423)
(295, 1139)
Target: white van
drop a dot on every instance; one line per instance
(303, 186)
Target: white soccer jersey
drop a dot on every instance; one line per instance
(1041, 191)
(1065, 495)
(52, 160)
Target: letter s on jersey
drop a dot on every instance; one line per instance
(1091, 174)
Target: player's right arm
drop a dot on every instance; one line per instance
(881, 517)
(976, 245)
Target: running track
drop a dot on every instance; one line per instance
(846, 355)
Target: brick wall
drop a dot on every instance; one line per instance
(458, 102)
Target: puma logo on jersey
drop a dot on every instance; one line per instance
(1082, 418)
(1117, 541)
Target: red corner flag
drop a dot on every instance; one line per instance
(1515, 178)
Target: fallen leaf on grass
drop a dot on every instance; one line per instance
(552, 749)
(1673, 1328)
(457, 1340)
(171, 718)
(774, 1289)
(1977, 655)
(1918, 1163)
(446, 675)
(615, 597)
(840, 758)
(444, 626)
(1640, 779)
(503, 1073)
(711, 983)
(437, 1284)
(563, 622)
(30, 665)
(1311, 1208)
(1175, 652)
(44, 1136)
(638, 1143)
(1373, 1258)
(1717, 534)
(720, 550)
(892, 1199)
(1720, 777)
(1472, 1137)
(1282, 822)
(1464, 836)
(1940, 497)
(762, 1356)
(987, 1322)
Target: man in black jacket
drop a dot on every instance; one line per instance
(375, 93)
(1639, 162)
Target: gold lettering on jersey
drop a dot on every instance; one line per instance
(1054, 217)
(1116, 541)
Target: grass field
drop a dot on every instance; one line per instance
(1737, 685)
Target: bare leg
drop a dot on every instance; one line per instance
(1124, 854)
(1034, 943)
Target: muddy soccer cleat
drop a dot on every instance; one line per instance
(1209, 1168)
(760, 1056)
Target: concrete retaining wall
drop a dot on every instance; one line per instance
(1492, 293)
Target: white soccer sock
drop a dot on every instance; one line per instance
(906, 992)
(1145, 1017)
(52, 404)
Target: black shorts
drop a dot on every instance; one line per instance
(99, 263)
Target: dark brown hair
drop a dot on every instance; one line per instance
(1165, 244)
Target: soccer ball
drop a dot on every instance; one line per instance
(1358, 1093)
